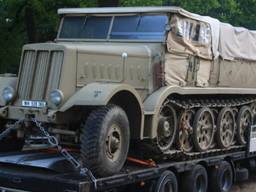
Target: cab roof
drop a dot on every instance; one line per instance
(118, 10)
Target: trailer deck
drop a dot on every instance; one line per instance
(43, 171)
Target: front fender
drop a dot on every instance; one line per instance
(153, 103)
(97, 94)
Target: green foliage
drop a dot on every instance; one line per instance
(141, 2)
(23, 21)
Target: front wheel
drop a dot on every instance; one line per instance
(105, 140)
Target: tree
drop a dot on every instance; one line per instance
(26, 21)
(104, 3)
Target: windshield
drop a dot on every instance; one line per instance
(139, 27)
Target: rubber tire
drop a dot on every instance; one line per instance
(11, 143)
(190, 178)
(216, 177)
(93, 137)
(167, 176)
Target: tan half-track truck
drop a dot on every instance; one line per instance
(159, 76)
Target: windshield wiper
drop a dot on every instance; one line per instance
(138, 24)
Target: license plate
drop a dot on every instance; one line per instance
(34, 104)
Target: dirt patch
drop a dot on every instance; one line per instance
(247, 186)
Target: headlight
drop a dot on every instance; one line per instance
(56, 97)
(8, 94)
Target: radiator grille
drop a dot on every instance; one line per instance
(40, 74)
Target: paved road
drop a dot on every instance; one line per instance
(248, 186)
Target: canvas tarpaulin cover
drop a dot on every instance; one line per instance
(176, 70)
(237, 43)
(185, 38)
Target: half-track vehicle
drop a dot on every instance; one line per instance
(158, 77)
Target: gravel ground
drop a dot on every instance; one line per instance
(247, 186)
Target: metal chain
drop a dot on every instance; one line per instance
(6, 132)
(53, 141)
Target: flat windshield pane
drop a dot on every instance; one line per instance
(148, 27)
(137, 27)
(85, 27)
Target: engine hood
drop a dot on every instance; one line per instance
(70, 66)
(119, 63)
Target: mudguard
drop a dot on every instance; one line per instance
(98, 94)
(153, 103)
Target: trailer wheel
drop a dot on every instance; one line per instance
(195, 180)
(105, 140)
(167, 183)
(221, 178)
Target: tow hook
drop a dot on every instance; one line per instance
(3, 112)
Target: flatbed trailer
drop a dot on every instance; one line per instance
(41, 171)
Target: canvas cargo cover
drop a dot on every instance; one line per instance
(227, 41)
(237, 43)
(214, 26)
(237, 73)
(176, 70)
(177, 43)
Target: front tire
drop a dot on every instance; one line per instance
(105, 140)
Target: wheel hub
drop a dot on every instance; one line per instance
(164, 127)
(113, 142)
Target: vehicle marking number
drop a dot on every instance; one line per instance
(34, 104)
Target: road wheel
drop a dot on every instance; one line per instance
(195, 180)
(166, 183)
(203, 129)
(185, 139)
(225, 128)
(11, 143)
(244, 121)
(105, 140)
(253, 110)
(221, 178)
(167, 127)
